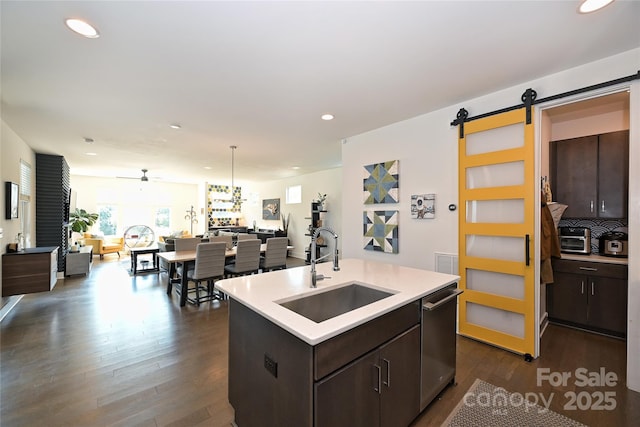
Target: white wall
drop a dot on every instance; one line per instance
(326, 182)
(427, 149)
(12, 150)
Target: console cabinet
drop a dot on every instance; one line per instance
(79, 262)
(590, 174)
(29, 271)
(589, 295)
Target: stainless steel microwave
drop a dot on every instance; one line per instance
(575, 240)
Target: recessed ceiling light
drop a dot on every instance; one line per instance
(91, 154)
(588, 6)
(175, 126)
(327, 117)
(82, 27)
(207, 168)
(295, 167)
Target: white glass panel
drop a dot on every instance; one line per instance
(498, 175)
(494, 318)
(496, 247)
(496, 211)
(507, 285)
(501, 138)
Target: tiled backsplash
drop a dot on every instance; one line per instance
(598, 227)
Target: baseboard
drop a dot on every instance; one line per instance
(13, 301)
(544, 322)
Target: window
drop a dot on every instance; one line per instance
(163, 221)
(25, 180)
(294, 194)
(107, 220)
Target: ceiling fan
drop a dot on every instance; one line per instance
(143, 178)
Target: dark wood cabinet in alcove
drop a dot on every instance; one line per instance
(52, 203)
(590, 174)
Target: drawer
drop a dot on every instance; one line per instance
(600, 269)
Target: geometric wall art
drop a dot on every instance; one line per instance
(380, 231)
(380, 183)
(423, 206)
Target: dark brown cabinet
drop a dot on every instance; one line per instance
(589, 295)
(590, 174)
(366, 376)
(32, 270)
(379, 389)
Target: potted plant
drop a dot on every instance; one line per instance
(285, 224)
(320, 201)
(80, 220)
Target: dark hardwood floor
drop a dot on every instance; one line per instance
(114, 350)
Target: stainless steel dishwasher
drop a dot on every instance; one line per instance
(438, 342)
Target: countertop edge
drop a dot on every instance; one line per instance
(594, 258)
(242, 291)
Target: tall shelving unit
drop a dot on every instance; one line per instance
(317, 218)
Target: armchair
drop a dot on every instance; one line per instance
(105, 245)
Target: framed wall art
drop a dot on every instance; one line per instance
(271, 209)
(423, 206)
(380, 230)
(11, 200)
(380, 182)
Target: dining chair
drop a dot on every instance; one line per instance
(227, 239)
(208, 266)
(247, 260)
(245, 236)
(187, 243)
(275, 256)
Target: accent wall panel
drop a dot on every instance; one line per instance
(52, 196)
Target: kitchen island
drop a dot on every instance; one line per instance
(361, 366)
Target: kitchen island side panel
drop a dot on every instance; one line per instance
(270, 372)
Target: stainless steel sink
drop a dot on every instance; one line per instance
(325, 305)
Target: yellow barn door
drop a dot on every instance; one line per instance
(496, 231)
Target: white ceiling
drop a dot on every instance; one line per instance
(259, 75)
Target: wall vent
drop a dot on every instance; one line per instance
(447, 263)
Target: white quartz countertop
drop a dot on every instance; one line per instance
(262, 292)
(595, 258)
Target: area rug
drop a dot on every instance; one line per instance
(487, 405)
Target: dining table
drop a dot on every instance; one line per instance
(186, 258)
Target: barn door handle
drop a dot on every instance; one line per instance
(527, 253)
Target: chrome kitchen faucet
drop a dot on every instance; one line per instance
(315, 277)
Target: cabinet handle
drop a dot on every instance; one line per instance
(591, 206)
(592, 286)
(582, 287)
(602, 209)
(588, 268)
(527, 255)
(388, 366)
(377, 387)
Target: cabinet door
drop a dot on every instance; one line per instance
(400, 363)
(567, 298)
(575, 180)
(608, 304)
(351, 396)
(613, 174)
